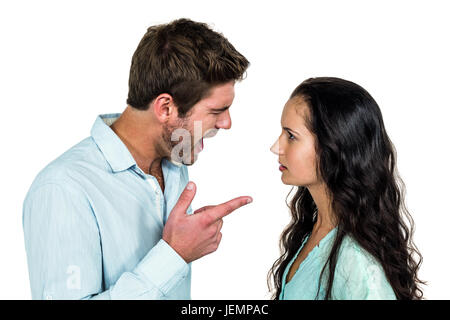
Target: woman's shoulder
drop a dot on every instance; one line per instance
(354, 258)
(359, 275)
(351, 250)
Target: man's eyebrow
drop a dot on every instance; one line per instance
(290, 130)
(221, 109)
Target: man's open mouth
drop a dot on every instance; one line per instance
(199, 146)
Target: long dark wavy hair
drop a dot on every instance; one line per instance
(357, 162)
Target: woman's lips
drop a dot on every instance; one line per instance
(282, 168)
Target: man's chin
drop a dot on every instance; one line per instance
(194, 158)
(187, 161)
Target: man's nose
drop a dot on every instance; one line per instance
(276, 147)
(225, 121)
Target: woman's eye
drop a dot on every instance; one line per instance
(291, 137)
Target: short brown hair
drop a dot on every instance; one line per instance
(185, 59)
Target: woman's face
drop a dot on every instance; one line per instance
(296, 146)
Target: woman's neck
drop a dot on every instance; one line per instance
(326, 220)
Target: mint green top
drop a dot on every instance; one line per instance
(358, 276)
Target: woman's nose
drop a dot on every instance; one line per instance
(275, 147)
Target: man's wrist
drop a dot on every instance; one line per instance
(176, 249)
(163, 267)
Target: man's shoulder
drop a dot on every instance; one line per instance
(74, 164)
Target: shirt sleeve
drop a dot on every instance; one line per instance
(359, 276)
(64, 253)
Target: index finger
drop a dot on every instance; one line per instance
(228, 207)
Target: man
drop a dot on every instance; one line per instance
(111, 217)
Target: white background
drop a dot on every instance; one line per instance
(64, 62)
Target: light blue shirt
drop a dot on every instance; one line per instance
(358, 276)
(93, 223)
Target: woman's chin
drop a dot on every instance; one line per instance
(285, 181)
(290, 182)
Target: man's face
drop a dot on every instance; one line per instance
(185, 139)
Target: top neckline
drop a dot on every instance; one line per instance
(312, 253)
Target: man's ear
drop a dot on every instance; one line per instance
(164, 107)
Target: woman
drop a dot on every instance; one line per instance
(347, 238)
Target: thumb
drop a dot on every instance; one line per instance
(185, 199)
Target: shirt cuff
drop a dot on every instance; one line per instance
(163, 267)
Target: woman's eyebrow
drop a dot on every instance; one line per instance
(290, 130)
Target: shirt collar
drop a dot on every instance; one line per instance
(114, 150)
